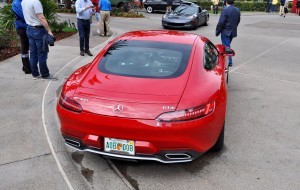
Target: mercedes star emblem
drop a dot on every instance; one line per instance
(119, 108)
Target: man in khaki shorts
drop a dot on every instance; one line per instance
(105, 8)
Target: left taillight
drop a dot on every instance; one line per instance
(69, 103)
(188, 114)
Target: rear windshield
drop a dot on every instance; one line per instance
(145, 59)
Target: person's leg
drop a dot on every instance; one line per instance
(107, 22)
(102, 19)
(81, 35)
(42, 55)
(280, 10)
(226, 41)
(97, 15)
(87, 29)
(33, 53)
(24, 50)
(217, 9)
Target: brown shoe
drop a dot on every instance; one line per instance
(82, 53)
(89, 53)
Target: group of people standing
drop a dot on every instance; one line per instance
(35, 33)
(283, 10)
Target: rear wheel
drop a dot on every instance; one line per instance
(149, 9)
(220, 142)
(195, 25)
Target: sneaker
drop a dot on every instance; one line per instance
(82, 53)
(89, 53)
(36, 77)
(49, 77)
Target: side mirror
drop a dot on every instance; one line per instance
(225, 50)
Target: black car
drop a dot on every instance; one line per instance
(186, 16)
(161, 5)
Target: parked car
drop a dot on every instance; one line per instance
(186, 16)
(161, 5)
(148, 95)
(120, 3)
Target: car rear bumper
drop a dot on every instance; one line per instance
(153, 140)
(167, 157)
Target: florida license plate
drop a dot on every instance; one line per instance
(119, 146)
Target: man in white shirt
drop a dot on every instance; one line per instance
(37, 28)
(84, 12)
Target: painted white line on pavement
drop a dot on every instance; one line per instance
(114, 167)
(61, 170)
(269, 78)
(259, 55)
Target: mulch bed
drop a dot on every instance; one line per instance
(9, 52)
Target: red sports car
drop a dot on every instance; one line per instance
(148, 95)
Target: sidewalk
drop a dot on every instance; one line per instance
(32, 153)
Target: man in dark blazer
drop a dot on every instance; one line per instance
(228, 23)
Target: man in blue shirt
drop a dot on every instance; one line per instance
(105, 8)
(21, 26)
(228, 23)
(84, 12)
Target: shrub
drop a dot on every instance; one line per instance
(7, 17)
(58, 26)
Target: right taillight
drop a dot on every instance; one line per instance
(69, 103)
(188, 114)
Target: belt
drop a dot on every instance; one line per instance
(83, 19)
(40, 26)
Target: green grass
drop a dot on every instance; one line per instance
(69, 29)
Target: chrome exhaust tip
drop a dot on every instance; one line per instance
(72, 142)
(178, 156)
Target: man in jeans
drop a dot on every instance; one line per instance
(37, 28)
(84, 10)
(227, 25)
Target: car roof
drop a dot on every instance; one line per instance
(160, 36)
(187, 3)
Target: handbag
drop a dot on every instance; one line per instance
(286, 10)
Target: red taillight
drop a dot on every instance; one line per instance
(188, 114)
(69, 103)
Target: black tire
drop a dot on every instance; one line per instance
(149, 9)
(195, 25)
(227, 78)
(205, 23)
(220, 142)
